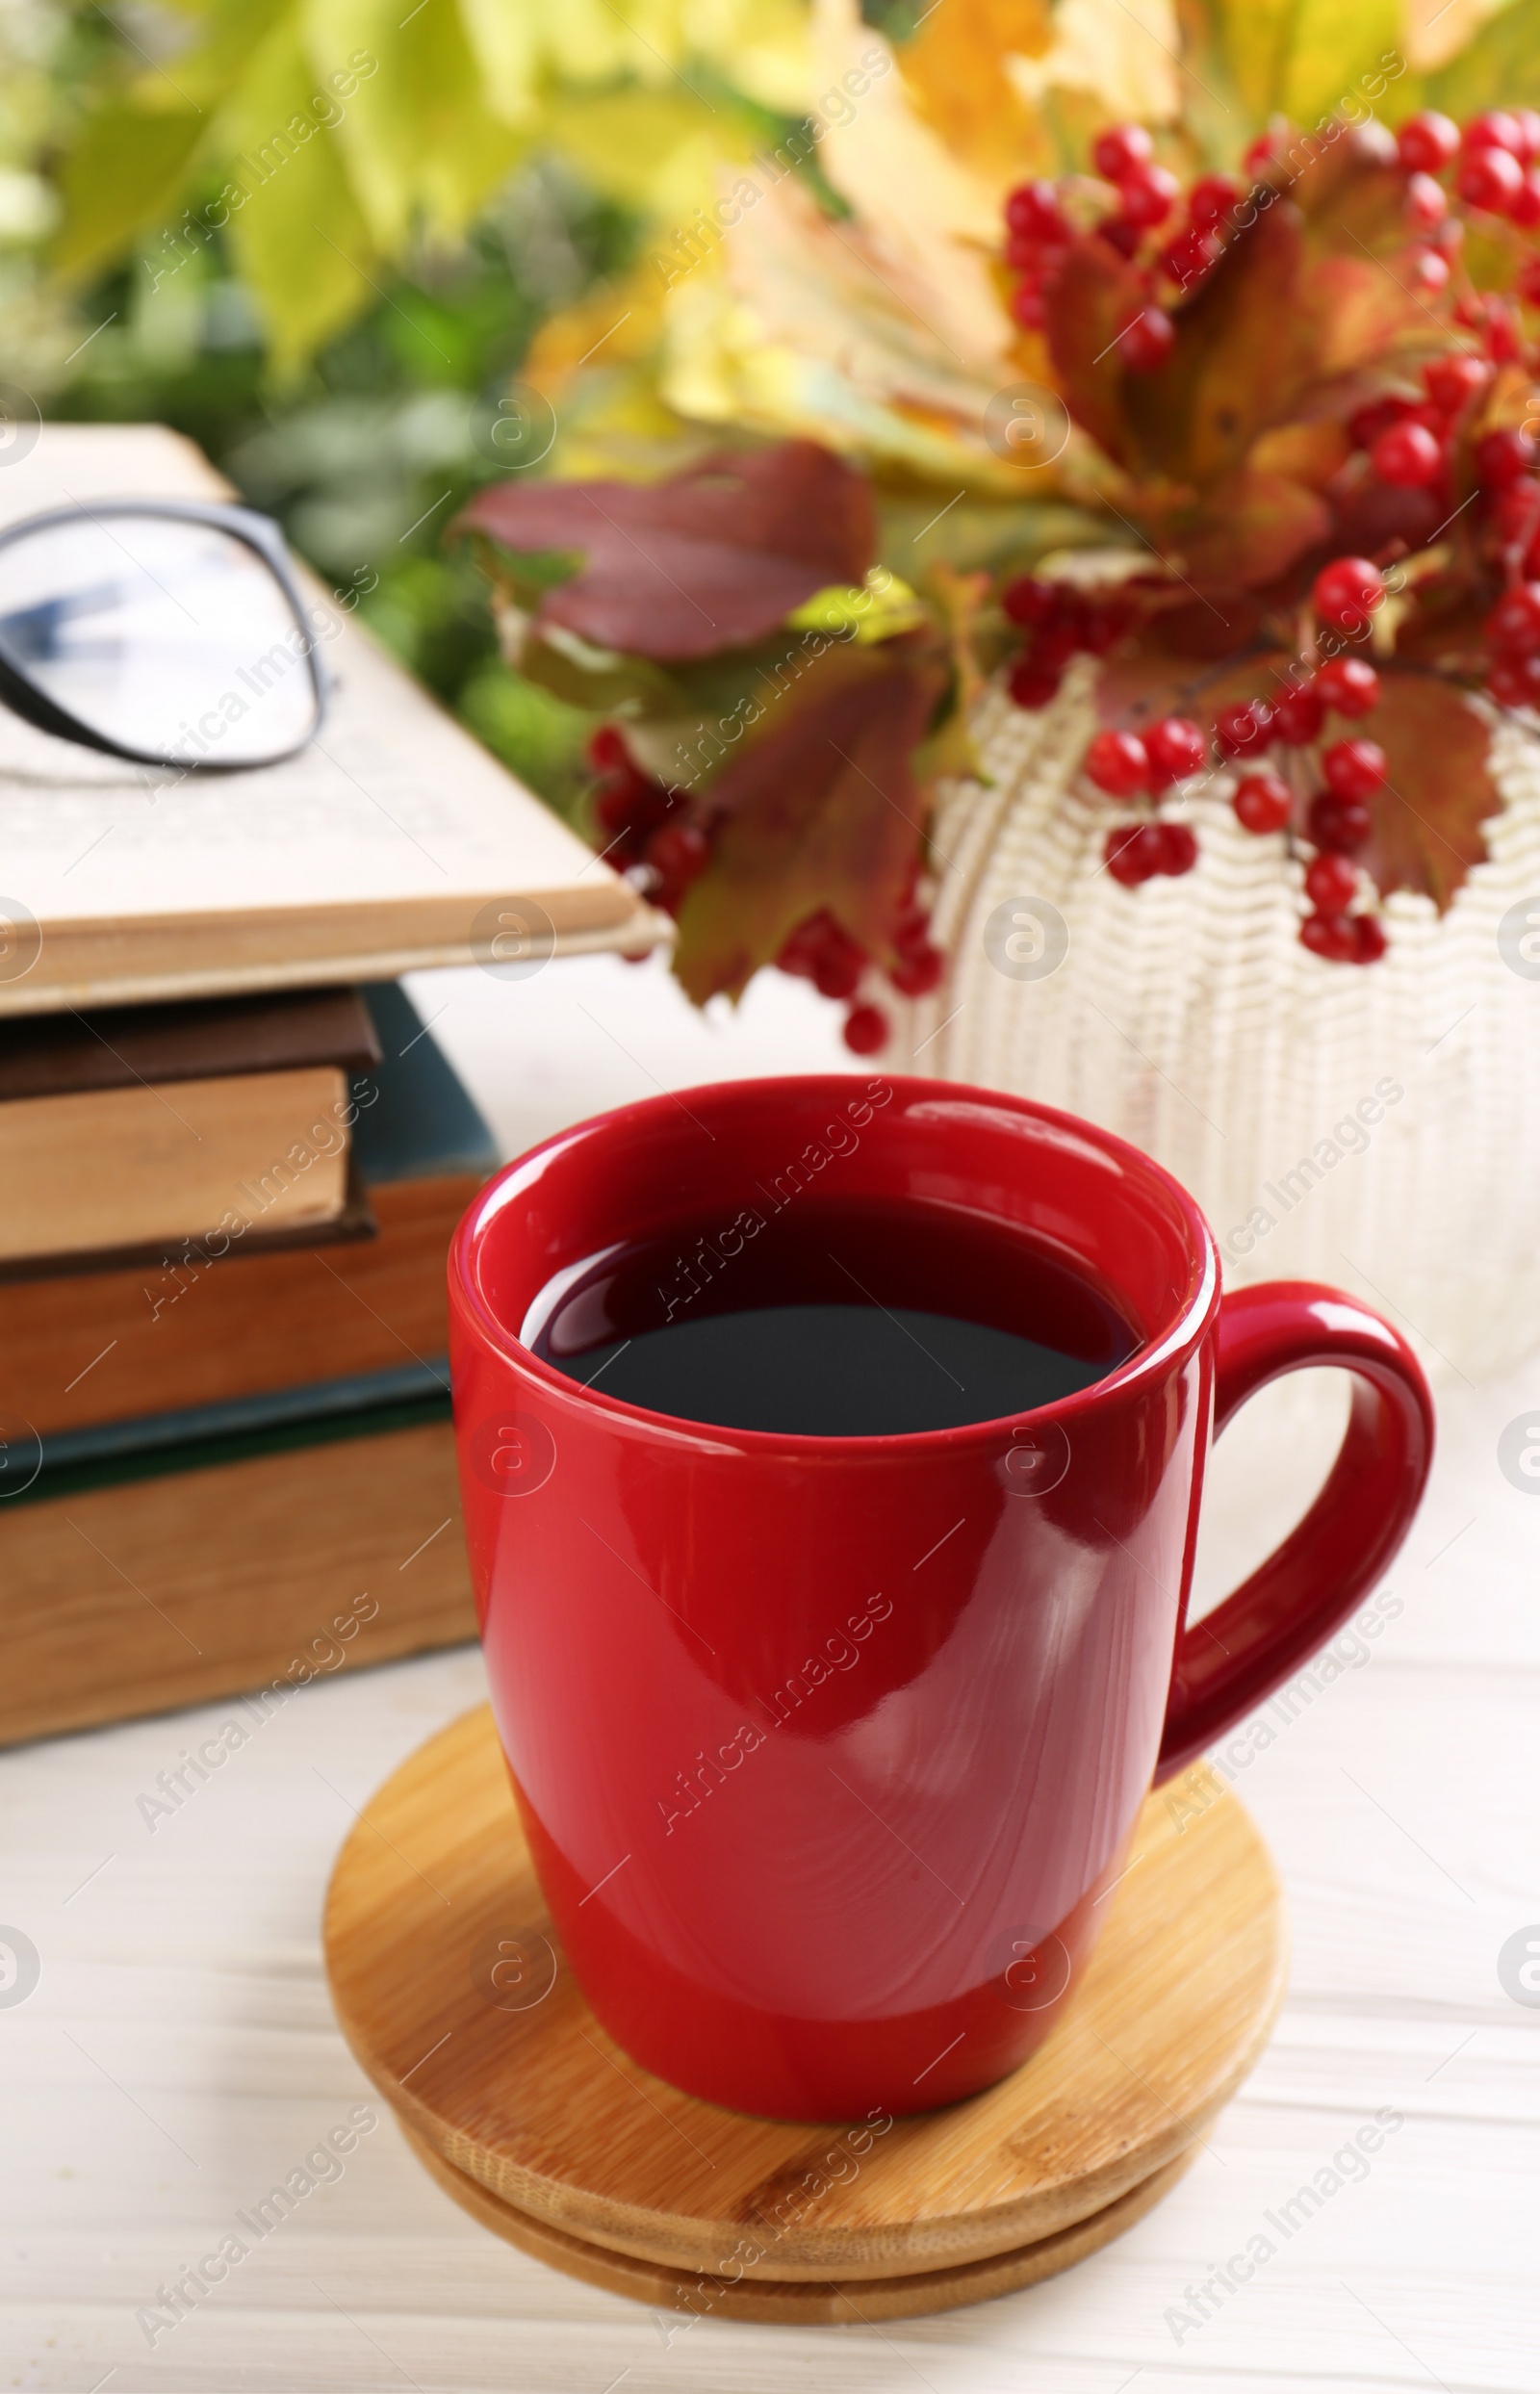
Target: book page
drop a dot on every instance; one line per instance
(392, 806)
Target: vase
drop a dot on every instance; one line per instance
(1373, 1126)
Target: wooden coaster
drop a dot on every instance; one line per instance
(453, 1992)
(789, 2302)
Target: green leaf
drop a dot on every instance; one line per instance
(1299, 59)
(1498, 68)
(123, 174)
(535, 735)
(876, 609)
(417, 136)
(600, 681)
(298, 238)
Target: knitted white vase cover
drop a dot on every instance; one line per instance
(1376, 1128)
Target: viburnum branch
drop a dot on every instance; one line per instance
(1301, 386)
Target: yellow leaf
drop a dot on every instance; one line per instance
(957, 70)
(1431, 41)
(755, 47)
(927, 210)
(1494, 67)
(878, 609)
(801, 322)
(615, 325)
(507, 46)
(1122, 53)
(656, 149)
(136, 148)
(760, 47)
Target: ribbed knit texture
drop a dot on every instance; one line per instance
(1188, 1018)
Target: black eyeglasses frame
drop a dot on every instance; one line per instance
(258, 533)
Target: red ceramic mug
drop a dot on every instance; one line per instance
(827, 1747)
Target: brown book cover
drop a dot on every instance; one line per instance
(132, 1126)
(263, 1574)
(202, 1323)
(207, 1038)
(190, 1328)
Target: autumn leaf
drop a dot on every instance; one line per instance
(820, 809)
(1229, 376)
(1159, 677)
(712, 558)
(1498, 67)
(1294, 58)
(960, 601)
(1095, 298)
(1428, 816)
(1248, 532)
(958, 69)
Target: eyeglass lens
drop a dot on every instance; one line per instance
(166, 637)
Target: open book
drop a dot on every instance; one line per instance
(393, 842)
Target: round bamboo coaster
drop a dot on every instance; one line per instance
(799, 2302)
(454, 1992)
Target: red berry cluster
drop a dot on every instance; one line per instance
(822, 951)
(1336, 815)
(1410, 443)
(1060, 621)
(1138, 225)
(1336, 818)
(1492, 166)
(1493, 158)
(649, 835)
(1128, 765)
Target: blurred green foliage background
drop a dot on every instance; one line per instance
(358, 419)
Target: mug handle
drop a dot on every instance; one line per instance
(1231, 1659)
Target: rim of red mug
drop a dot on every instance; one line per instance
(1192, 1310)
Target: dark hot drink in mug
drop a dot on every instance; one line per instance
(832, 1454)
(832, 1317)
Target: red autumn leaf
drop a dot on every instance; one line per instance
(1230, 374)
(820, 807)
(1427, 818)
(1162, 678)
(1247, 530)
(1096, 297)
(712, 558)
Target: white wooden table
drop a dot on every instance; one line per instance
(178, 2054)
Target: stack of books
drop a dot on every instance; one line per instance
(231, 1161)
(223, 1375)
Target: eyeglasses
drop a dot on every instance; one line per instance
(168, 632)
